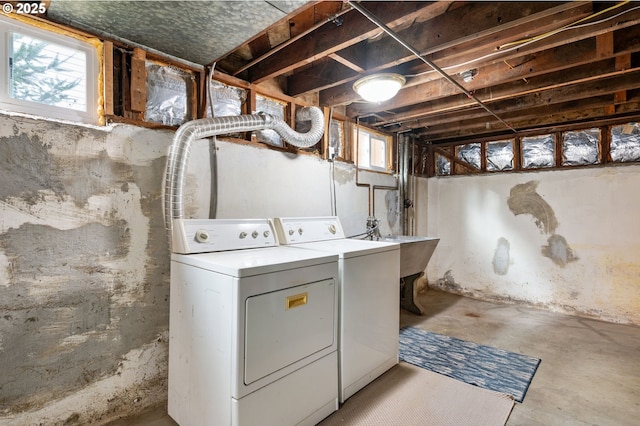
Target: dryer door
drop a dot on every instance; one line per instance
(285, 326)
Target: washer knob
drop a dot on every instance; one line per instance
(300, 231)
(266, 233)
(243, 235)
(202, 236)
(254, 234)
(332, 228)
(291, 231)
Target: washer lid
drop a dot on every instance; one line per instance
(346, 248)
(245, 263)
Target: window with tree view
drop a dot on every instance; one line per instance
(48, 74)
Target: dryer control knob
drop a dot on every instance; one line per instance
(266, 234)
(202, 236)
(291, 231)
(243, 235)
(332, 228)
(300, 231)
(254, 234)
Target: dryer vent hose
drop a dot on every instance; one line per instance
(179, 151)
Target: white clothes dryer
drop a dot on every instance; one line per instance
(369, 296)
(253, 327)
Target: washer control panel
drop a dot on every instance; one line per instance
(295, 230)
(210, 235)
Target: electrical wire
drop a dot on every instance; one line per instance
(367, 234)
(213, 155)
(332, 172)
(531, 41)
(556, 31)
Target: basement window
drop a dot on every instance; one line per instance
(580, 148)
(538, 151)
(372, 150)
(625, 143)
(49, 74)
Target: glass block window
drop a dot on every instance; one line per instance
(581, 148)
(469, 153)
(625, 143)
(500, 155)
(538, 151)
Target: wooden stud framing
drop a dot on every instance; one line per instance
(138, 81)
(107, 73)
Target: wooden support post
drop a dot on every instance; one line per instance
(107, 73)
(623, 62)
(558, 149)
(138, 81)
(604, 49)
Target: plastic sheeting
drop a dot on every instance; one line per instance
(272, 107)
(168, 91)
(469, 153)
(625, 143)
(227, 100)
(500, 155)
(580, 148)
(443, 165)
(538, 151)
(336, 133)
(421, 160)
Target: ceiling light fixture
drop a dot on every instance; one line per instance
(379, 87)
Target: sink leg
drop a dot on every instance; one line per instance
(409, 293)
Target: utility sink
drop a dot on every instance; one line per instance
(415, 253)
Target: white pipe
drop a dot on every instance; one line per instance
(179, 151)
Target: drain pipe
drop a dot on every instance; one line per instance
(403, 159)
(417, 54)
(179, 151)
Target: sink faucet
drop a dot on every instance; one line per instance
(373, 228)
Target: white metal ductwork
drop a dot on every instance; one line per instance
(179, 151)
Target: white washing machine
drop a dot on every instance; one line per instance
(253, 328)
(369, 297)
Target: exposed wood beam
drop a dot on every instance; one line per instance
(516, 89)
(439, 38)
(342, 95)
(492, 24)
(560, 114)
(331, 38)
(589, 87)
(566, 120)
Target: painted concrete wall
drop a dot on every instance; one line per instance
(563, 240)
(84, 264)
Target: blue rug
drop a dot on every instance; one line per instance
(479, 365)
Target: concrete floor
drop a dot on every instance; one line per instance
(589, 374)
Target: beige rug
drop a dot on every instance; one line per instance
(407, 395)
